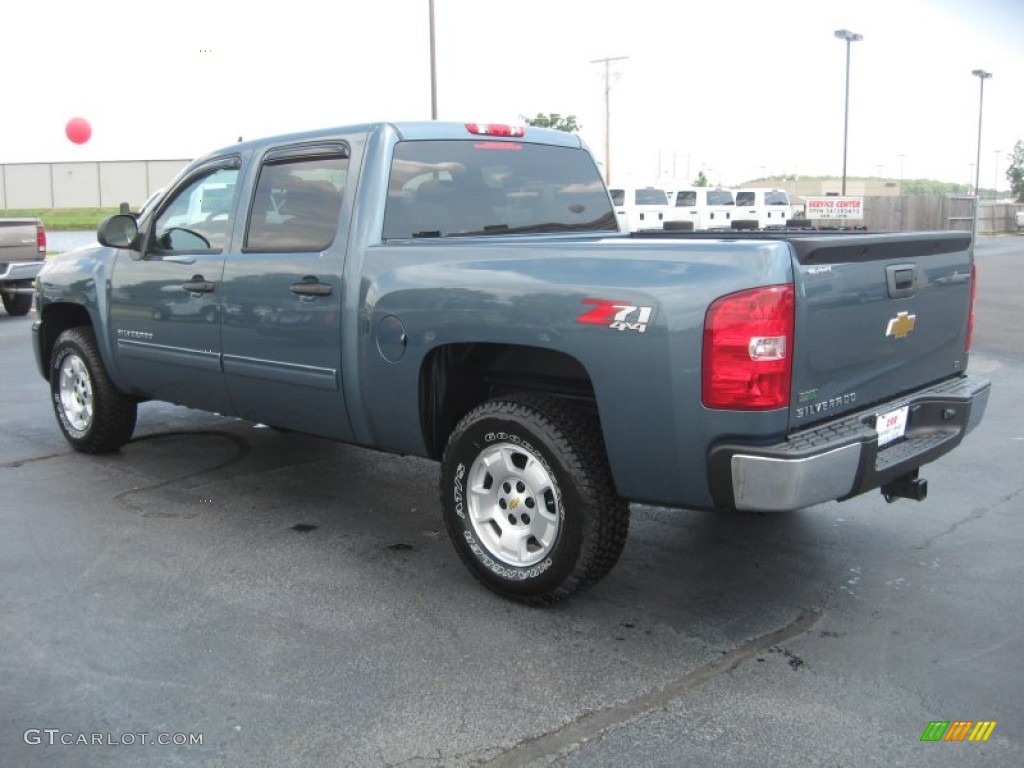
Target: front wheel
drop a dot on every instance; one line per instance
(93, 414)
(528, 499)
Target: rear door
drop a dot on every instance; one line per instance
(720, 206)
(281, 303)
(650, 206)
(746, 206)
(877, 316)
(685, 208)
(777, 208)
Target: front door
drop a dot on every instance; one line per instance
(165, 303)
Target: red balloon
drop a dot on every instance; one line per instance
(78, 130)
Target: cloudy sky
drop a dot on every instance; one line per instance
(737, 88)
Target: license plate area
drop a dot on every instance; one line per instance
(891, 425)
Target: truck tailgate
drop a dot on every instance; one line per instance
(19, 240)
(877, 316)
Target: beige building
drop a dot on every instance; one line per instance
(104, 184)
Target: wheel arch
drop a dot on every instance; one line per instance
(455, 378)
(54, 320)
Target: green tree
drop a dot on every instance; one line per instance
(701, 180)
(1015, 173)
(553, 120)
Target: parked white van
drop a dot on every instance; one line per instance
(770, 208)
(708, 208)
(640, 208)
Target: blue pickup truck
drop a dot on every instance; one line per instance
(462, 292)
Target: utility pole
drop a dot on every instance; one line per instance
(433, 67)
(608, 113)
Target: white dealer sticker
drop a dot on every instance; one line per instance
(891, 426)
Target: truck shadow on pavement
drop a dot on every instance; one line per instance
(715, 573)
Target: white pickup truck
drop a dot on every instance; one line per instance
(22, 253)
(1019, 216)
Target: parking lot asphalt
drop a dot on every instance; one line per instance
(288, 601)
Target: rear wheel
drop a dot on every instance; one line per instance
(528, 499)
(93, 414)
(17, 304)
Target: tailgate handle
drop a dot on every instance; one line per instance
(901, 280)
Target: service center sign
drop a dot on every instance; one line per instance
(834, 207)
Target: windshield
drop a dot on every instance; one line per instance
(448, 188)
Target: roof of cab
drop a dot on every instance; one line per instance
(407, 131)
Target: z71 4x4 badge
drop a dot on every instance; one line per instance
(618, 315)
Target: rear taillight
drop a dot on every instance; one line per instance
(970, 314)
(40, 240)
(748, 360)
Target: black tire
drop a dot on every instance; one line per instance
(551, 495)
(679, 226)
(17, 304)
(745, 224)
(93, 414)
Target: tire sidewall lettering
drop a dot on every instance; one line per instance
(500, 569)
(459, 493)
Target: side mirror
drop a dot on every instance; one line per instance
(118, 231)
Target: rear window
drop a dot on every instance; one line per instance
(452, 188)
(618, 196)
(744, 198)
(720, 197)
(650, 196)
(686, 199)
(776, 197)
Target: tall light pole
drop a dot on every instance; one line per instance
(849, 37)
(433, 67)
(607, 113)
(995, 176)
(982, 75)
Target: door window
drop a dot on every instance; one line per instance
(198, 217)
(297, 204)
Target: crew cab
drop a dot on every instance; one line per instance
(462, 292)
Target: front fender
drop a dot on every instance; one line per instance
(73, 289)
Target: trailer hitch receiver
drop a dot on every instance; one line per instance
(909, 486)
